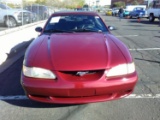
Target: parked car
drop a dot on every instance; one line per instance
(132, 7)
(126, 13)
(13, 17)
(138, 12)
(109, 12)
(41, 11)
(154, 11)
(86, 7)
(115, 11)
(75, 60)
(78, 9)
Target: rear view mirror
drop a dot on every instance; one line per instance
(111, 28)
(38, 29)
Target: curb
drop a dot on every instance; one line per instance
(4, 32)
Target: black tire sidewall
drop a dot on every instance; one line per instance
(10, 19)
(151, 18)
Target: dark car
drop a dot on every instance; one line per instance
(77, 60)
(138, 12)
(41, 11)
(78, 9)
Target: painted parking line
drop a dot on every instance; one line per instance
(128, 36)
(17, 97)
(143, 96)
(132, 96)
(138, 49)
(144, 49)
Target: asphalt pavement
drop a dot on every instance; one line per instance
(143, 41)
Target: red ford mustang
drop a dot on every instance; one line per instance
(76, 60)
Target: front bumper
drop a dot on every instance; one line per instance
(78, 92)
(143, 15)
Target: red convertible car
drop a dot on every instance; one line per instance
(76, 60)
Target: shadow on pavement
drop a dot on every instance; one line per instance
(135, 25)
(13, 55)
(157, 36)
(148, 60)
(33, 104)
(19, 47)
(145, 22)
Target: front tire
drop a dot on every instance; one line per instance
(10, 22)
(151, 18)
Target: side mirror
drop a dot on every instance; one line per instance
(38, 29)
(111, 28)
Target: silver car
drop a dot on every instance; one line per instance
(13, 17)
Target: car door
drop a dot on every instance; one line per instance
(135, 12)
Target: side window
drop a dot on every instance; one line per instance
(52, 23)
(2, 6)
(155, 4)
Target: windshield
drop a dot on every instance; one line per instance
(75, 23)
(139, 8)
(2, 6)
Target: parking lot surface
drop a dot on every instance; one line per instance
(142, 39)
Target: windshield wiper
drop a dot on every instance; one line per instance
(57, 31)
(72, 31)
(87, 30)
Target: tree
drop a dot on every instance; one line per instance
(135, 2)
(11, 5)
(41, 2)
(73, 3)
(118, 4)
(65, 3)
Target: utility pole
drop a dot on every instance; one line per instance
(149, 1)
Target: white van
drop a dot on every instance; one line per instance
(131, 7)
(154, 11)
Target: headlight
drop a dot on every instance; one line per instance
(122, 69)
(35, 72)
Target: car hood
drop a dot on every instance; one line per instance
(77, 51)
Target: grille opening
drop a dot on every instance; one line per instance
(82, 75)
